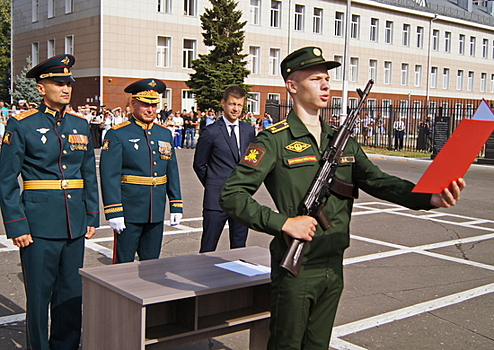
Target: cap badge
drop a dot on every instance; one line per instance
(152, 83)
(65, 61)
(316, 52)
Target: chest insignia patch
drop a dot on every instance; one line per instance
(305, 159)
(298, 146)
(136, 146)
(344, 160)
(7, 138)
(106, 145)
(253, 156)
(43, 131)
(165, 149)
(78, 142)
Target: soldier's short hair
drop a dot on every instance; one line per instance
(235, 91)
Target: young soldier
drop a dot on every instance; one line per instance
(139, 170)
(52, 150)
(286, 158)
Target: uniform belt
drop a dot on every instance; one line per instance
(53, 184)
(143, 180)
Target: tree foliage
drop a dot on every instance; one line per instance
(224, 65)
(4, 49)
(25, 88)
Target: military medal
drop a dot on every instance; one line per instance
(165, 149)
(136, 146)
(43, 131)
(78, 142)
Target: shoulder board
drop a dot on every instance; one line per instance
(26, 114)
(121, 125)
(76, 115)
(282, 125)
(160, 125)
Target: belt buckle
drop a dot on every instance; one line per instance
(64, 184)
(154, 182)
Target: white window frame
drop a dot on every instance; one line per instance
(34, 53)
(34, 10)
(274, 97)
(420, 37)
(165, 6)
(434, 71)
(255, 12)
(418, 76)
(255, 59)
(374, 30)
(446, 76)
(69, 44)
(388, 32)
(69, 6)
(461, 44)
(274, 61)
(388, 72)
(406, 34)
(339, 19)
(435, 39)
(188, 100)
(473, 41)
(485, 47)
(51, 8)
(354, 68)
(50, 48)
(459, 79)
(338, 71)
(492, 84)
(483, 82)
(471, 80)
(299, 20)
(163, 52)
(275, 12)
(317, 20)
(188, 54)
(190, 8)
(447, 42)
(405, 72)
(253, 104)
(355, 27)
(373, 69)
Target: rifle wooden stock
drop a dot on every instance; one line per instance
(319, 192)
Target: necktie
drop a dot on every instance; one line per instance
(233, 141)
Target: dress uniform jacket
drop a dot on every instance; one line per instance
(286, 158)
(55, 156)
(138, 170)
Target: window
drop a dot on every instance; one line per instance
(406, 35)
(338, 71)
(374, 29)
(34, 10)
(317, 21)
(188, 100)
(189, 53)
(336, 103)
(459, 110)
(190, 7)
(163, 51)
(459, 80)
(165, 6)
(51, 8)
(483, 82)
(338, 23)
(387, 72)
(254, 59)
(447, 41)
(274, 97)
(386, 104)
(472, 46)
(418, 75)
(50, 48)
(433, 77)
(435, 39)
(485, 48)
(69, 6)
(353, 69)
(34, 54)
(253, 104)
(420, 37)
(388, 32)
(69, 44)
(445, 78)
(405, 68)
(274, 61)
(373, 70)
(275, 14)
(255, 11)
(492, 83)
(355, 27)
(461, 44)
(299, 18)
(471, 78)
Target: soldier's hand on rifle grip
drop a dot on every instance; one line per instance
(300, 227)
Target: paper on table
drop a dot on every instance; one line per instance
(245, 268)
(456, 156)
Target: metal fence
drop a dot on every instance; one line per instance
(375, 125)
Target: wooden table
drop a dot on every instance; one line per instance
(156, 304)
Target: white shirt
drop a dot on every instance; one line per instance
(236, 129)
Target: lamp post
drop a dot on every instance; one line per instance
(346, 63)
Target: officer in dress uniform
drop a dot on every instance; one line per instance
(52, 150)
(139, 170)
(286, 157)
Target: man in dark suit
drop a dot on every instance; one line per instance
(218, 151)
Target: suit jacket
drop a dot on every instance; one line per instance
(137, 149)
(40, 144)
(214, 159)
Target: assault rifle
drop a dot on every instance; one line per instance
(325, 179)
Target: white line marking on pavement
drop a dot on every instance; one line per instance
(12, 318)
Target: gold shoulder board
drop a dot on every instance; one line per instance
(282, 125)
(121, 125)
(26, 114)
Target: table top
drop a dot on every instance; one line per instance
(161, 280)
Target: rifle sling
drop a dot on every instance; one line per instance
(345, 189)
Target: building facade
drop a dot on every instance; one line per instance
(416, 51)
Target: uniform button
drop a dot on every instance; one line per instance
(63, 136)
(58, 123)
(154, 152)
(155, 163)
(152, 142)
(149, 132)
(65, 151)
(155, 174)
(64, 166)
(69, 196)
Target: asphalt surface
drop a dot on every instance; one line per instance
(413, 279)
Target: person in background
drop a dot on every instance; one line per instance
(179, 126)
(399, 133)
(268, 121)
(190, 123)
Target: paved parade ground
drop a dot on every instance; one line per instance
(413, 279)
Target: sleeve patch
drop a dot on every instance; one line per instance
(253, 156)
(106, 145)
(7, 138)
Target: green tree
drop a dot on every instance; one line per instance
(25, 88)
(224, 65)
(4, 49)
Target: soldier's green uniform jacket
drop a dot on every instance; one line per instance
(50, 151)
(286, 158)
(139, 170)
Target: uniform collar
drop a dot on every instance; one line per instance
(142, 124)
(47, 110)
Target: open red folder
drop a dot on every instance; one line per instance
(456, 156)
